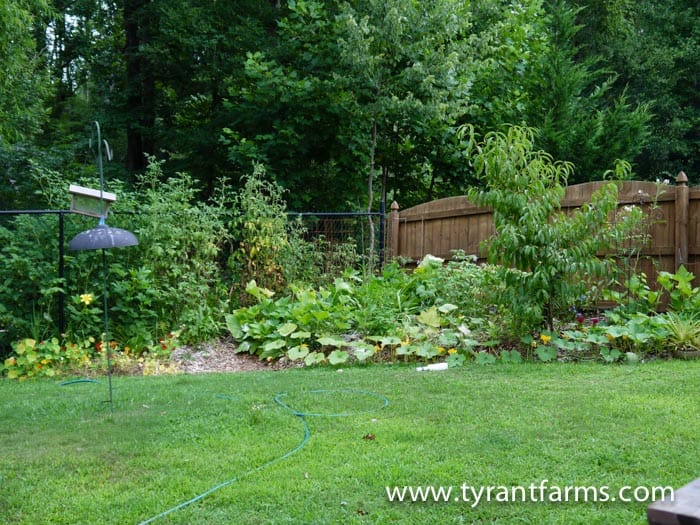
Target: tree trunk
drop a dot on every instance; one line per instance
(370, 192)
(140, 90)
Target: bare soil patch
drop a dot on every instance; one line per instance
(221, 356)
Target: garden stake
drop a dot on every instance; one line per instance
(103, 237)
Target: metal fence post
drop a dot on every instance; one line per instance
(61, 274)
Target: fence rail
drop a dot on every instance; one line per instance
(442, 226)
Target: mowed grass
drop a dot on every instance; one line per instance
(66, 459)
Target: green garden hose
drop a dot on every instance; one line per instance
(74, 381)
(307, 434)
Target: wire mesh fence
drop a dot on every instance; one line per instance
(340, 234)
(36, 269)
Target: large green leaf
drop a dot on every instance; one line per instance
(331, 341)
(258, 292)
(430, 317)
(287, 329)
(427, 350)
(362, 351)
(314, 358)
(337, 357)
(298, 352)
(275, 344)
(546, 353)
(447, 308)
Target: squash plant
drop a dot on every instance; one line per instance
(301, 322)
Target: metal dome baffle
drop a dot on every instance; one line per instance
(101, 237)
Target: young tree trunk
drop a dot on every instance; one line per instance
(370, 192)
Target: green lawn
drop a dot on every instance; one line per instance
(66, 459)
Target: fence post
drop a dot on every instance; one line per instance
(681, 233)
(394, 230)
(61, 274)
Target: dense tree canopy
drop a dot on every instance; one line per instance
(22, 82)
(360, 95)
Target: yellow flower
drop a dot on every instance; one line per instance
(86, 298)
(452, 351)
(545, 338)
(440, 350)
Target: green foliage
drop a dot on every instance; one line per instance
(33, 359)
(676, 288)
(48, 358)
(260, 227)
(617, 337)
(299, 326)
(635, 323)
(578, 115)
(23, 85)
(682, 295)
(656, 59)
(395, 315)
(683, 330)
(28, 293)
(544, 254)
(170, 280)
(638, 297)
(315, 90)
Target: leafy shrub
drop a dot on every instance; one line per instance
(172, 280)
(676, 289)
(272, 249)
(28, 296)
(547, 259)
(260, 228)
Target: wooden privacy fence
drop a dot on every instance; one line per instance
(442, 226)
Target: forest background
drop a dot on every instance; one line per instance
(363, 95)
